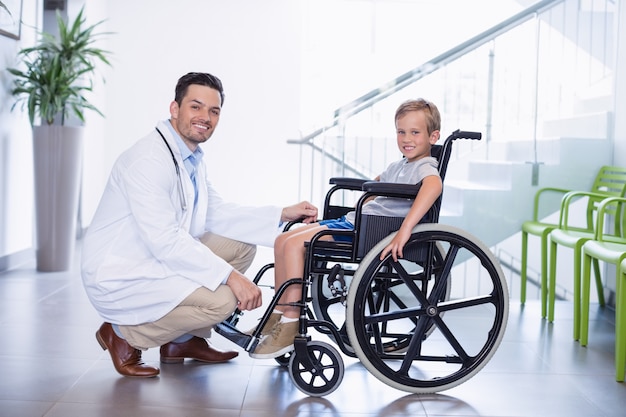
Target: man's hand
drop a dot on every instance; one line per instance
(248, 295)
(304, 211)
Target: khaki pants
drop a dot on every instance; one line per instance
(202, 309)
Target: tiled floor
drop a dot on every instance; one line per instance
(53, 366)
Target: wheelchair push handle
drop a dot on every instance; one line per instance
(463, 134)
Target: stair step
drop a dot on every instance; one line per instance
(588, 126)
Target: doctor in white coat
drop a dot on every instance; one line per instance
(163, 259)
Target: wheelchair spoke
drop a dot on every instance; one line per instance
(409, 281)
(446, 271)
(466, 302)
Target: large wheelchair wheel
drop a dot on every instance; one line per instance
(330, 305)
(447, 339)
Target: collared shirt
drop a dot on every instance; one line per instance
(190, 159)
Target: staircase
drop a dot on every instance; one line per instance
(491, 198)
(480, 193)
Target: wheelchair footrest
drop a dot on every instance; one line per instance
(233, 334)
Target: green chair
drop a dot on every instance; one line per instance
(620, 324)
(573, 235)
(541, 229)
(607, 247)
(608, 181)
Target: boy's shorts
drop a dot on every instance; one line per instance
(339, 224)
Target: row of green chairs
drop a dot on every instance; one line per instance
(601, 237)
(569, 235)
(610, 181)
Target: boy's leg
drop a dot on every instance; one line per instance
(289, 263)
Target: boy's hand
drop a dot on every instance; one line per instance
(396, 245)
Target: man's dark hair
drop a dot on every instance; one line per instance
(200, 78)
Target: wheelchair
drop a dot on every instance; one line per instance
(424, 324)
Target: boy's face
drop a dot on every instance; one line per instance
(412, 134)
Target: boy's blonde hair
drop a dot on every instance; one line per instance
(433, 118)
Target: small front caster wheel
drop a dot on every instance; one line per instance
(318, 374)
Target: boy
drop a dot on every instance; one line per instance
(418, 123)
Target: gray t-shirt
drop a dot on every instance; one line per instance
(401, 172)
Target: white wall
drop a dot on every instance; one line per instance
(620, 86)
(16, 163)
(252, 46)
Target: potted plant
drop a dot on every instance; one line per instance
(57, 73)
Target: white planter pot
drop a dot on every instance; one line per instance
(57, 154)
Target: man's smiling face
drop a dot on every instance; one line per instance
(196, 118)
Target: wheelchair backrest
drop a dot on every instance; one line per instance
(374, 228)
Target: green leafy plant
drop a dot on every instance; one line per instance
(59, 71)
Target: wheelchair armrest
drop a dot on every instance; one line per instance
(347, 182)
(391, 189)
(340, 184)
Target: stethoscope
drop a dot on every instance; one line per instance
(181, 192)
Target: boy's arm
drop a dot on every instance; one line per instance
(426, 196)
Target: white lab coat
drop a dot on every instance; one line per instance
(141, 255)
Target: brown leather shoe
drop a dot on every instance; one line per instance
(196, 348)
(126, 359)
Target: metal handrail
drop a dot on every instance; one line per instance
(374, 96)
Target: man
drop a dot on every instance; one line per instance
(164, 256)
